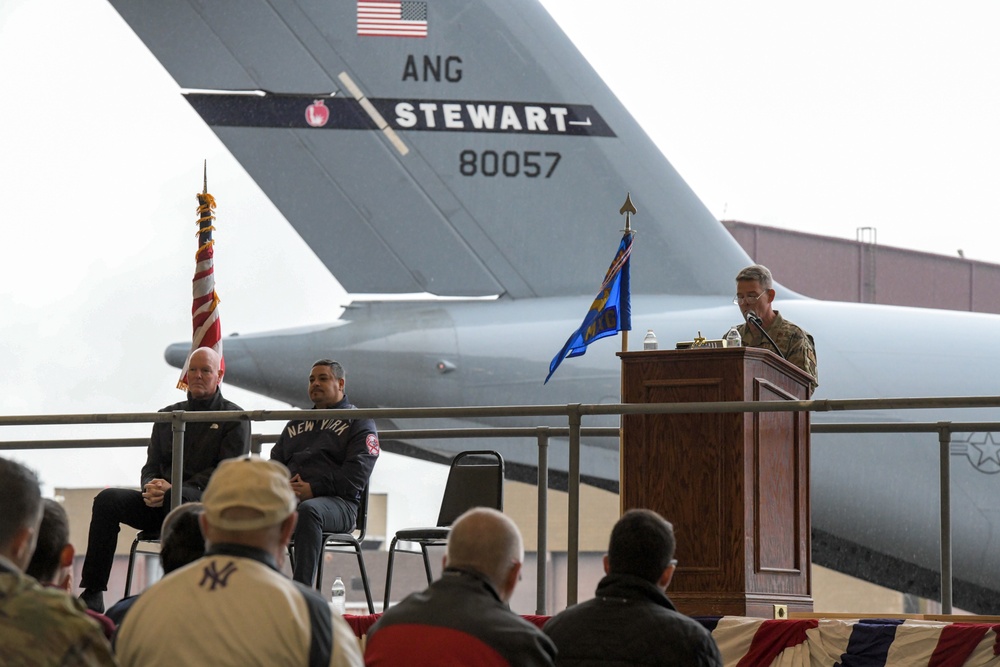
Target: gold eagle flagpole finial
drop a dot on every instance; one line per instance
(628, 209)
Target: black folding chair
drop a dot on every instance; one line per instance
(148, 537)
(475, 479)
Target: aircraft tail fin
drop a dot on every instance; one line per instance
(456, 147)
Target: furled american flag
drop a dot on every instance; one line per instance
(205, 306)
(752, 642)
(392, 18)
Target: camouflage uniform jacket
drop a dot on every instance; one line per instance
(796, 345)
(44, 626)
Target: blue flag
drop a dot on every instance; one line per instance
(610, 313)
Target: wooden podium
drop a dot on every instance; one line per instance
(734, 485)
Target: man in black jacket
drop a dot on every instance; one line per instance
(330, 461)
(205, 445)
(631, 620)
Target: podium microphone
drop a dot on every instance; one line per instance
(753, 319)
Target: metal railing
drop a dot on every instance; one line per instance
(574, 414)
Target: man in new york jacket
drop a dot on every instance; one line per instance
(330, 461)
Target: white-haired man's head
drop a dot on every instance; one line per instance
(204, 372)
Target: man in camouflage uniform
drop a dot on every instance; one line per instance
(755, 293)
(38, 626)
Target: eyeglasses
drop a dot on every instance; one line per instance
(748, 300)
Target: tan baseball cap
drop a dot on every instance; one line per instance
(250, 483)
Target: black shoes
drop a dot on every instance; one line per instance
(93, 599)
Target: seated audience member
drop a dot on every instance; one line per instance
(181, 542)
(463, 618)
(38, 625)
(631, 620)
(205, 444)
(234, 606)
(52, 562)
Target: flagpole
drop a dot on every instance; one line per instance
(628, 209)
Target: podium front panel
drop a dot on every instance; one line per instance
(734, 485)
(676, 458)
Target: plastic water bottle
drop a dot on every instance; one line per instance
(649, 342)
(733, 338)
(338, 596)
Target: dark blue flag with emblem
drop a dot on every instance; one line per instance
(610, 313)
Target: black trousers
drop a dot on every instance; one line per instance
(325, 514)
(113, 507)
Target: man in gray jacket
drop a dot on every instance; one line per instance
(631, 620)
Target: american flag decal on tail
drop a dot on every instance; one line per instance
(392, 18)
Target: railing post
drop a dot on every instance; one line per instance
(177, 462)
(573, 487)
(944, 454)
(543, 520)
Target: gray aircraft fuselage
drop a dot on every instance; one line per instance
(877, 489)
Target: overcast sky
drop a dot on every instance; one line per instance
(820, 117)
(817, 116)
